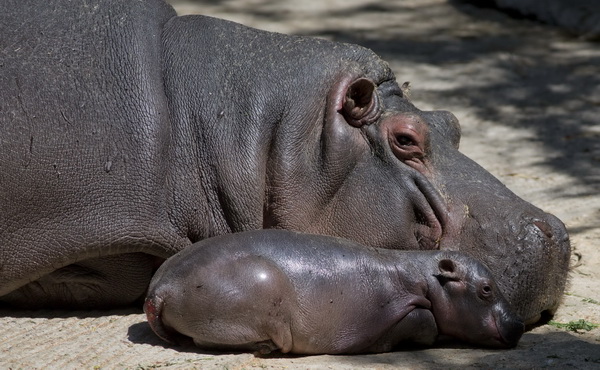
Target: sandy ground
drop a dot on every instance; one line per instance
(528, 98)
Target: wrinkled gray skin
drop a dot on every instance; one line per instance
(128, 133)
(311, 294)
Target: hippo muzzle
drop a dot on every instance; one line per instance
(527, 250)
(510, 327)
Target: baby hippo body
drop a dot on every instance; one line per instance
(310, 294)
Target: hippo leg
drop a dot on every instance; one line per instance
(94, 283)
(241, 305)
(417, 327)
(259, 348)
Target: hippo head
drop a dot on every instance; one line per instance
(379, 171)
(467, 304)
(321, 138)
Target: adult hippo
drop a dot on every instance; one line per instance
(128, 133)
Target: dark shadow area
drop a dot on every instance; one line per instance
(491, 5)
(560, 349)
(61, 313)
(577, 18)
(141, 333)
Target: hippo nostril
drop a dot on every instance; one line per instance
(545, 228)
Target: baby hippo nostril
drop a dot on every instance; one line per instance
(545, 228)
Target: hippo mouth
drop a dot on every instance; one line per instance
(498, 339)
(431, 214)
(507, 335)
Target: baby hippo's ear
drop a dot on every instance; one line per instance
(449, 271)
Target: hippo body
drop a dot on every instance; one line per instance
(128, 133)
(312, 294)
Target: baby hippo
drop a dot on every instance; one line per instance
(272, 290)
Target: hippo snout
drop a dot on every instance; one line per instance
(544, 243)
(529, 255)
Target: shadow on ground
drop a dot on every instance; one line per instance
(558, 348)
(7, 311)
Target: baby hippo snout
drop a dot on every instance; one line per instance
(510, 328)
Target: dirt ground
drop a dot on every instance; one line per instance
(528, 98)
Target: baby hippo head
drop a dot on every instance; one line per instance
(468, 305)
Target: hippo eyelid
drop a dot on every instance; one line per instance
(406, 138)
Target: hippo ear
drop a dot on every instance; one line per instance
(361, 105)
(449, 271)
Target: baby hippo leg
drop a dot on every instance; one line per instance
(232, 305)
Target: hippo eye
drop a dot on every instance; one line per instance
(405, 140)
(406, 137)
